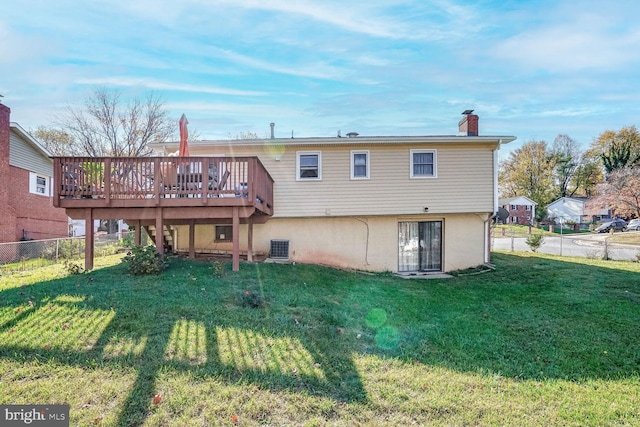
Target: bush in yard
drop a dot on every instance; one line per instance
(127, 240)
(252, 299)
(218, 269)
(73, 268)
(534, 241)
(142, 260)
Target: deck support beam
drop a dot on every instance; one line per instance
(159, 232)
(249, 239)
(192, 239)
(236, 239)
(88, 239)
(137, 233)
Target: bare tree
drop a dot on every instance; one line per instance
(105, 126)
(243, 135)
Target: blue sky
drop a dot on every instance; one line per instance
(532, 69)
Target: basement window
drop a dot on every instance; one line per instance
(224, 233)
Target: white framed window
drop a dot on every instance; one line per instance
(360, 164)
(308, 166)
(39, 184)
(424, 164)
(527, 207)
(514, 208)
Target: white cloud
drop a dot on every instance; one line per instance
(158, 85)
(584, 41)
(316, 70)
(375, 18)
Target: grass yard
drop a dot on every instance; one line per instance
(543, 340)
(628, 238)
(505, 230)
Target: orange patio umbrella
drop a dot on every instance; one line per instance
(184, 136)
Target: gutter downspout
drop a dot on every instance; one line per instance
(487, 253)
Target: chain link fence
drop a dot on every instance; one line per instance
(32, 254)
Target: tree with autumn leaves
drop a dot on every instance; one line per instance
(620, 189)
(544, 173)
(608, 171)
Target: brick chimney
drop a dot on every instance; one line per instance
(468, 125)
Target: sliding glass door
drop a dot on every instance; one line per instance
(420, 246)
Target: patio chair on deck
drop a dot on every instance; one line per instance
(219, 185)
(169, 177)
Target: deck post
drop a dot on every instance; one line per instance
(192, 239)
(159, 232)
(137, 233)
(236, 239)
(250, 239)
(88, 239)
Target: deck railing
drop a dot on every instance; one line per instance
(139, 181)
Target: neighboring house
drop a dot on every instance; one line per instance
(522, 210)
(26, 170)
(574, 210)
(400, 203)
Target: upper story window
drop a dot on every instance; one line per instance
(309, 166)
(38, 184)
(527, 207)
(423, 164)
(514, 207)
(360, 164)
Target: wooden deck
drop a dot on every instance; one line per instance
(164, 191)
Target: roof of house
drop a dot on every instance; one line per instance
(507, 201)
(27, 137)
(359, 140)
(574, 199)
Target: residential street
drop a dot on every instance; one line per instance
(583, 245)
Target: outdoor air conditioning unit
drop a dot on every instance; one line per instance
(279, 249)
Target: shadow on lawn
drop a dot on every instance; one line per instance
(152, 336)
(533, 318)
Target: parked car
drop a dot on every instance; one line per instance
(614, 224)
(634, 224)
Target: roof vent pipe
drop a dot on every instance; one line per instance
(273, 125)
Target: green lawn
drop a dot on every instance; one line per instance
(542, 340)
(628, 238)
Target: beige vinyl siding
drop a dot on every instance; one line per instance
(25, 156)
(464, 183)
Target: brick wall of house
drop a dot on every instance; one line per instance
(522, 215)
(35, 214)
(19, 209)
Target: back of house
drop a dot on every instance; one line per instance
(404, 204)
